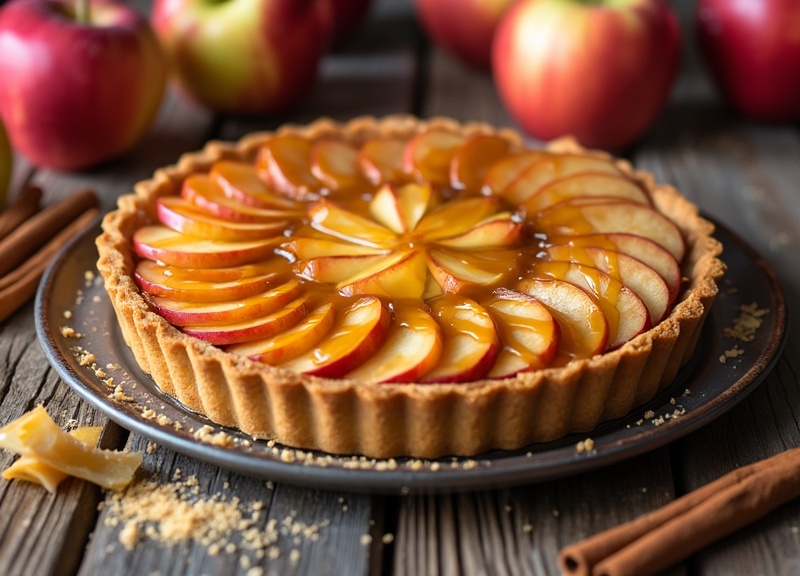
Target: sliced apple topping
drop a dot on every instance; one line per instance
(381, 160)
(427, 156)
(471, 342)
(240, 181)
(181, 216)
(170, 247)
(338, 222)
(336, 165)
(505, 170)
(472, 160)
(206, 194)
(412, 348)
(399, 275)
(355, 337)
(400, 208)
(293, 342)
(285, 162)
(612, 217)
(528, 333)
(626, 314)
(583, 328)
(585, 185)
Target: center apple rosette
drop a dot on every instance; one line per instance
(398, 287)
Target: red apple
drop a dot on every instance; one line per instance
(464, 27)
(600, 71)
(76, 90)
(244, 56)
(753, 50)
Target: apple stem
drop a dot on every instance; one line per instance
(82, 12)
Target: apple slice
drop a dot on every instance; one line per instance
(338, 269)
(290, 343)
(399, 275)
(358, 334)
(496, 231)
(170, 247)
(335, 164)
(613, 217)
(400, 208)
(456, 272)
(635, 274)
(583, 328)
(307, 248)
(381, 160)
(218, 313)
(240, 181)
(626, 314)
(471, 342)
(181, 216)
(428, 155)
(551, 168)
(251, 329)
(528, 332)
(178, 284)
(652, 254)
(207, 195)
(412, 348)
(586, 184)
(472, 160)
(285, 162)
(340, 223)
(456, 217)
(504, 171)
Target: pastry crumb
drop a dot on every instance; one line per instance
(583, 446)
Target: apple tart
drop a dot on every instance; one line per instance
(400, 287)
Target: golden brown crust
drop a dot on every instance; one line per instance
(387, 420)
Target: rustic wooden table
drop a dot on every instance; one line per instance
(743, 174)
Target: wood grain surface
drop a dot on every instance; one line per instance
(742, 173)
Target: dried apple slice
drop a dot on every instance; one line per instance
(240, 181)
(583, 328)
(203, 192)
(412, 348)
(359, 333)
(381, 160)
(649, 252)
(400, 208)
(551, 168)
(428, 155)
(340, 223)
(178, 214)
(178, 284)
(251, 329)
(470, 340)
(285, 162)
(626, 314)
(290, 343)
(472, 160)
(528, 333)
(585, 184)
(335, 164)
(504, 171)
(635, 274)
(496, 231)
(218, 313)
(170, 247)
(399, 275)
(613, 218)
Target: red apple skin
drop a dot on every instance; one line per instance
(464, 27)
(601, 74)
(74, 95)
(235, 56)
(753, 51)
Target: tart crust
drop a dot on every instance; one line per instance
(342, 416)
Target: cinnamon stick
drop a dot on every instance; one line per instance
(657, 540)
(19, 286)
(25, 206)
(37, 230)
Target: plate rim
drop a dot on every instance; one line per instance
(559, 461)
